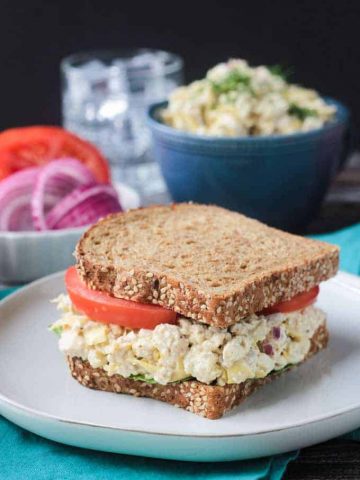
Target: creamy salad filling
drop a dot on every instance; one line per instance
(251, 348)
(235, 99)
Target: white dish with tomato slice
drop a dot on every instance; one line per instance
(316, 401)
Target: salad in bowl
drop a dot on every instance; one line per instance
(247, 139)
(235, 99)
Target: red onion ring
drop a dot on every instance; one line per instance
(56, 180)
(83, 206)
(15, 198)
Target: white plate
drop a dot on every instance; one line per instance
(319, 400)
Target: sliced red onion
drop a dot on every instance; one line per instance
(55, 181)
(268, 349)
(276, 332)
(83, 206)
(15, 199)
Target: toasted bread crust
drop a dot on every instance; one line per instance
(171, 290)
(205, 400)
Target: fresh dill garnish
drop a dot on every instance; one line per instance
(301, 112)
(283, 72)
(233, 81)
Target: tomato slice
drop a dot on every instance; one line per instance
(31, 146)
(296, 303)
(101, 307)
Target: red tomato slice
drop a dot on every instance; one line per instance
(296, 303)
(101, 307)
(30, 146)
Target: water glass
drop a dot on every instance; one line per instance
(105, 95)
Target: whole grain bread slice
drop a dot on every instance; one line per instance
(206, 400)
(204, 262)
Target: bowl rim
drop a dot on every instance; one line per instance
(342, 117)
(42, 233)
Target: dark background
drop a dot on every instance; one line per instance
(319, 39)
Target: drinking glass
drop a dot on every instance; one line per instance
(105, 95)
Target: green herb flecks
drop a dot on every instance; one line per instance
(301, 112)
(57, 329)
(233, 81)
(283, 72)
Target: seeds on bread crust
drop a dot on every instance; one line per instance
(188, 258)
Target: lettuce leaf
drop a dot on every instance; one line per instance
(142, 378)
(282, 370)
(151, 381)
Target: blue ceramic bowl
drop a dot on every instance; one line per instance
(279, 179)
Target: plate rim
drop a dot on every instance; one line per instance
(346, 280)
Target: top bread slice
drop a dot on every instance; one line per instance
(204, 262)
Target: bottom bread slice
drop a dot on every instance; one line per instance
(210, 401)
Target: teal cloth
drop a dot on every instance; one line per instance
(4, 293)
(27, 456)
(348, 239)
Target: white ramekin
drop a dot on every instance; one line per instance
(26, 256)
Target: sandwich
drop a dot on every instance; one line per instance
(193, 305)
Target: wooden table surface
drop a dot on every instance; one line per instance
(334, 460)
(341, 207)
